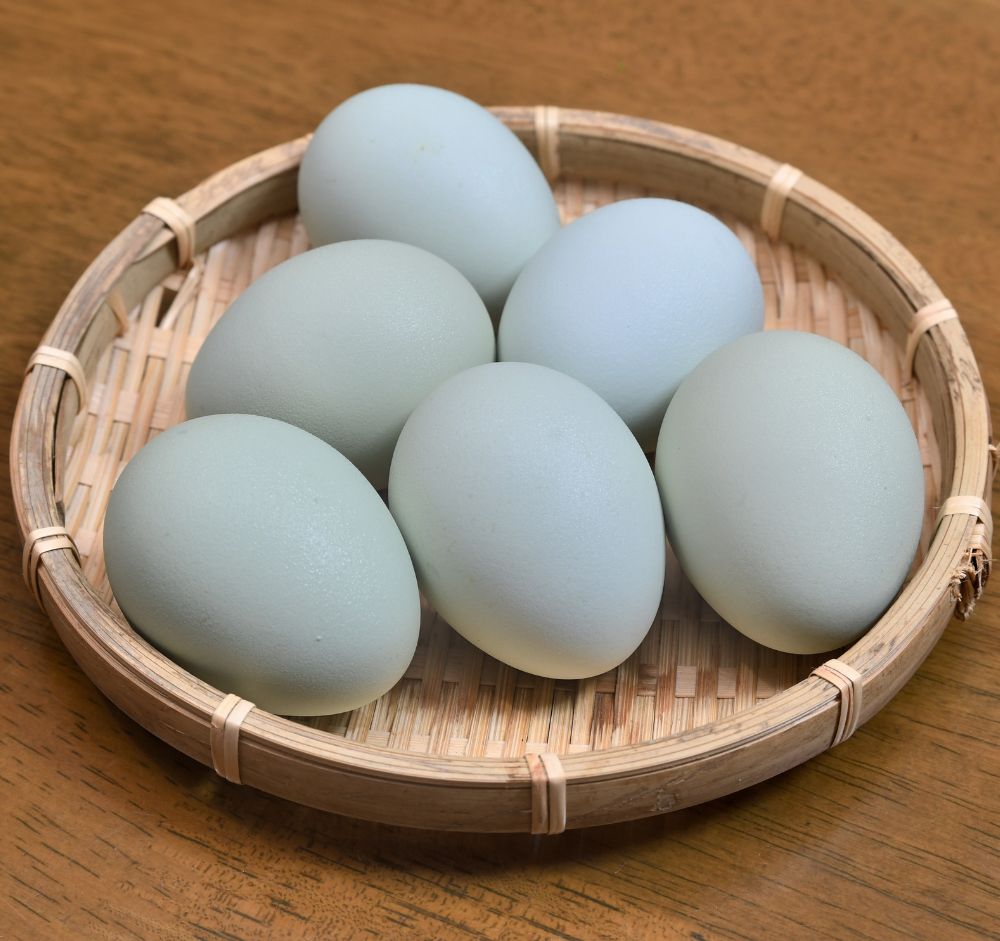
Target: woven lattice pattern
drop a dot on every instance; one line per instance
(691, 669)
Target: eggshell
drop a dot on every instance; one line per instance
(258, 558)
(423, 165)
(532, 517)
(793, 489)
(628, 299)
(343, 341)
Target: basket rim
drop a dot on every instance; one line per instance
(812, 703)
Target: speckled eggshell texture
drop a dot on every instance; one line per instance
(793, 489)
(628, 299)
(343, 341)
(259, 559)
(423, 165)
(532, 517)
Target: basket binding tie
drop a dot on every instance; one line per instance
(66, 361)
(547, 137)
(772, 209)
(928, 316)
(224, 736)
(548, 793)
(38, 542)
(848, 681)
(176, 218)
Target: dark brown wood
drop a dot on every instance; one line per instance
(110, 833)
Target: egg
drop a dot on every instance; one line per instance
(532, 517)
(343, 341)
(793, 489)
(418, 164)
(628, 299)
(259, 559)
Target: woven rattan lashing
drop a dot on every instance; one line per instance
(698, 710)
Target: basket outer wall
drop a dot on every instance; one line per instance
(321, 770)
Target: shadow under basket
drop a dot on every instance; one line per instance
(463, 742)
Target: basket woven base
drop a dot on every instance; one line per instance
(691, 669)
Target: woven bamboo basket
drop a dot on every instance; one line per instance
(463, 742)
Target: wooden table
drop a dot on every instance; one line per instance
(107, 833)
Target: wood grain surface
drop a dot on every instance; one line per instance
(107, 833)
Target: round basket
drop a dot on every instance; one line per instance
(463, 742)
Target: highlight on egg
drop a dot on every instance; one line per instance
(418, 164)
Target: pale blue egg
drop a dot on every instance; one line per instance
(423, 165)
(532, 517)
(629, 299)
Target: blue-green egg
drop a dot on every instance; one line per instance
(258, 558)
(343, 341)
(793, 489)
